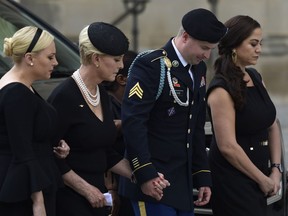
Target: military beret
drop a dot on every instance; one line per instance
(108, 39)
(203, 25)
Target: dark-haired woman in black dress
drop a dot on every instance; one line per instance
(246, 139)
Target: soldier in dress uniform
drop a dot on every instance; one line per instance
(163, 117)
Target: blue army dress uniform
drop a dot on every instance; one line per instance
(161, 135)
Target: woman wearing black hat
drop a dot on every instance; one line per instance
(87, 122)
(246, 136)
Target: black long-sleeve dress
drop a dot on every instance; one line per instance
(233, 192)
(27, 164)
(90, 141)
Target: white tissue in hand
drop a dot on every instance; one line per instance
(108, 198)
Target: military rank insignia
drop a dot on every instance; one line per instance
(135, 163)
(136, 90)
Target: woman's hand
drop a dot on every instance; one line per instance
(95, 197)
(62, 150)
(267, 186)
(91, 193)
(276, 177)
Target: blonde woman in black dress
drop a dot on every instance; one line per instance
(29, 177)
(87, 122)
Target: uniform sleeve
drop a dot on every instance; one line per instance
(200, 166)
(138, 101)
(201, 172)
(24, 175)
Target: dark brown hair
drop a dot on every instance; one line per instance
(239, 28)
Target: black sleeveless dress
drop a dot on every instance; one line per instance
(234, 193)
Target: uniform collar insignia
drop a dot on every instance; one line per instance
(175, 63)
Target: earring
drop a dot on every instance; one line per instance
(234, 56)
(97, 66)
(31, 64)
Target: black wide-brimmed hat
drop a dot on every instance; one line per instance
(203, 25)
(108, 39)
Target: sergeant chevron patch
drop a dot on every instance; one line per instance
(136, 90)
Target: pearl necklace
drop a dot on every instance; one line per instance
(92, 99)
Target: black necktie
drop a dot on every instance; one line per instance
(189, 69)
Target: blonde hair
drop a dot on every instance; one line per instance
(17, 45)
(86, 48)
(181, 31)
